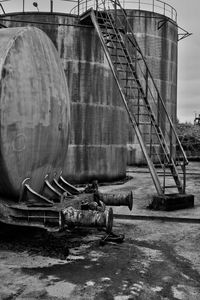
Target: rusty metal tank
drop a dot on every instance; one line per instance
(157, 35)
(97, 147)
(35, 109)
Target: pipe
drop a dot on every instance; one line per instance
(88, 218)
(117, 199)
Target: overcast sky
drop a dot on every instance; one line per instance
(189, 59)
(188, 49)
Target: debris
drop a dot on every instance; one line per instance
(112, 237)
(88, 218)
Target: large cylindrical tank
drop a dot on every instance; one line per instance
(157, 36)
(98, 128)
(97, 147)
(35, 109)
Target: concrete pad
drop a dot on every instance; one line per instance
(143, 190)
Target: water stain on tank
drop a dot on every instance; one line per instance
(93, 152)
(35, 109)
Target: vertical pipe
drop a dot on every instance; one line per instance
(23, 5)
(164, 9)
(153, 5)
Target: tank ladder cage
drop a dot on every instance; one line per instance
(140, 95)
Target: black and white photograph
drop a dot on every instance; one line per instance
(99, 150)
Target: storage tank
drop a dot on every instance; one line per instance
(99, 130)
(35, 110)
(98, 140)
(157, 35)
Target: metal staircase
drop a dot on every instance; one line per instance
(145, 107)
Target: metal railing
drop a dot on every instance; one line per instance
(50, 6)
(79, 6)
(139, 85)
(156, 6)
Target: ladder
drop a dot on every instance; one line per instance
(145, 107)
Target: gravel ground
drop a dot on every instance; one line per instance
(157, 260)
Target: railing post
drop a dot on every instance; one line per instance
(158, 109)
(23, 5)
(171, 140)
(153, 5)
(139, 4)
(51, 6)
(78, 7)
(164, 9)
(98, 5)
(115, 6)
(184, 176)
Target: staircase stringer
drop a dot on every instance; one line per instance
(158, 131)
(132, 119)
(135, 44)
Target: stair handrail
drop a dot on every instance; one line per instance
(152, 79)
(157, 6)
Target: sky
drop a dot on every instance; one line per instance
(188, 59)
(188, 49)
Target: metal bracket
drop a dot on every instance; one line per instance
(62, 189)
(36, 198)
(162, 23)
(56, 195)
(67, 186)
(181, 35)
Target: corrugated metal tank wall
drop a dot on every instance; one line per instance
(98, 140)
(159, 47)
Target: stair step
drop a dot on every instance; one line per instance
(144, 123)
(117, 48)
(118, 55)
(120, 63)
(170, 186)
(114, 41)
(129, 79)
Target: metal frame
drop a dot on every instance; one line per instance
(156, 6)
(117, 39)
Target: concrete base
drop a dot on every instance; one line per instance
(172, 202)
